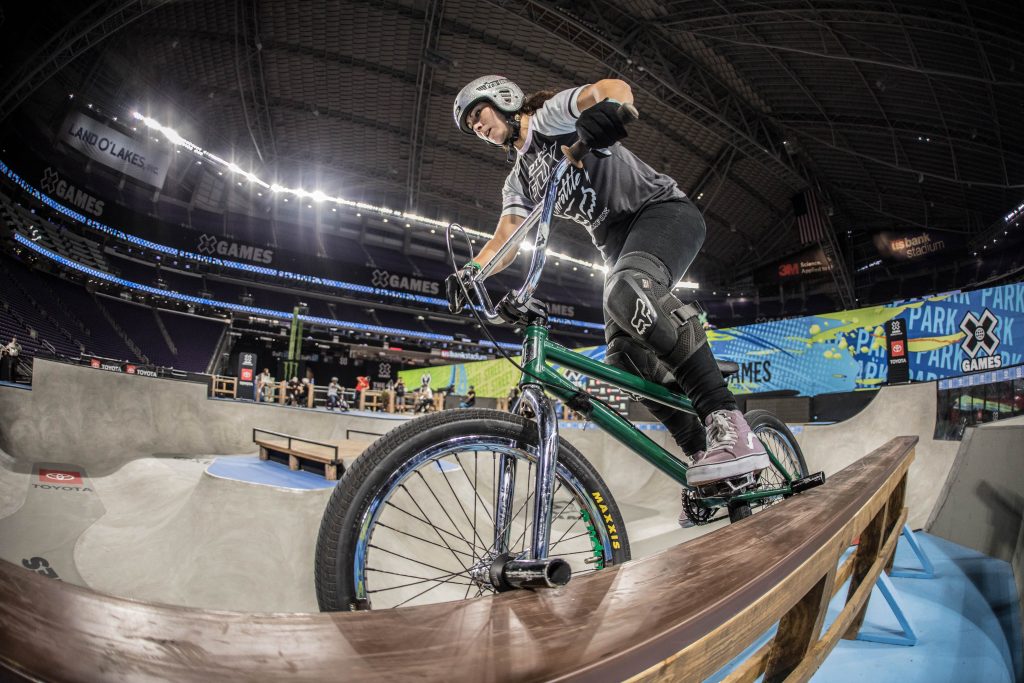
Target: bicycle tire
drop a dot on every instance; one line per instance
(775, 435)
(353, 513)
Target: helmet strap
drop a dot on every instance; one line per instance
(510, 144)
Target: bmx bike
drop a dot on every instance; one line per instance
(463, 503)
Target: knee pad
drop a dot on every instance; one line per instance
(638, 298)
(628, 354)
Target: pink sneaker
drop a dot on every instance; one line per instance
(733, 450)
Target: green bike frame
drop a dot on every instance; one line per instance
(539, 352)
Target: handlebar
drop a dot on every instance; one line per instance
(540, 217)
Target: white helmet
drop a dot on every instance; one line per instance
(505, 95)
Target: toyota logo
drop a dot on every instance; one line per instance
(50, 179)
(60, 476)
(380, 278)
(207, 244)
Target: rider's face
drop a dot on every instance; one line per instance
(487, 123)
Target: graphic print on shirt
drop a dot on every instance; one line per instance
(604, 196)
(576, 199)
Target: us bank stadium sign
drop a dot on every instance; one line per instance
(211, 245)
(406, 283)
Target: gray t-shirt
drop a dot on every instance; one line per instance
(603, 197)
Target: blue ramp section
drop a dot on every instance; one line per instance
(250, 469)
(966, 621)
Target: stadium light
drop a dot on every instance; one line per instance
(319, 195)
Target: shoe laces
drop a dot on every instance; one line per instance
(721, 431)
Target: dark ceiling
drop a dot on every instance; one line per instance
(904, 114)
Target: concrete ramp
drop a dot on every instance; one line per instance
(175, 534)
(895, 411)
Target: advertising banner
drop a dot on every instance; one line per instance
(53, 184)
(948, 335)
(805, 264)
(247, 375)
(909, 246)
(142, 160)
(896, 339)
(224, 248)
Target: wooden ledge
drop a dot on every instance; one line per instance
(680, 614)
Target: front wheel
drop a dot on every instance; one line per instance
(777, 438)
(413, 520)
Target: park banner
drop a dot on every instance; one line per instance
(142, 160)
(947, 335)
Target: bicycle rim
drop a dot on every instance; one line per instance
(784, 450)
(427, 535)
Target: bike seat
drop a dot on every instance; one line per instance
(728, 368)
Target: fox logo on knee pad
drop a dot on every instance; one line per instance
(643, 317)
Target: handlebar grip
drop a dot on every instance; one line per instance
(627, 114)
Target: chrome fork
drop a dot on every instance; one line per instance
(547, 460)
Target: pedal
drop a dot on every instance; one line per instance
(808, 482)
(727, 487)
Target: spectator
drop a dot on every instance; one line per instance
(305, 388)
(11, 354)
(333, 394)
(362, 384)
(513, 398)
(400, 395)
(291, 391)
(264, 385)
(425, 400)
(470, 399)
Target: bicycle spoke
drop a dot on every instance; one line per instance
(525, 503)
(418, 595)
(476, 492)
(436, 529)
(443, 578)
(409, 559)
(442, 506)
(562, 537)
(461, 506)
(418, 538)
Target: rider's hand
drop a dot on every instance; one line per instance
(600, 126)
(456, 284)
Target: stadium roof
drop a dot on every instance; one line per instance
(904, 115)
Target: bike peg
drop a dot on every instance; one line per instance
(808, 482)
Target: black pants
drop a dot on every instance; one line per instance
(673, 233)
(9, 369)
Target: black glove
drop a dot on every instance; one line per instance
(600, 126)
(453, 287)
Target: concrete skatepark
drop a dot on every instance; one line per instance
(149, 521)
(156, 526)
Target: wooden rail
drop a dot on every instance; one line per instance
(296, 449)
(679, 615)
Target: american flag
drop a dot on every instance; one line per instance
(810, 221)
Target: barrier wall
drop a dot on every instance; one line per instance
(947, 335)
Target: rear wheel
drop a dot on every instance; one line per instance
(777, 438)
(412, 521)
